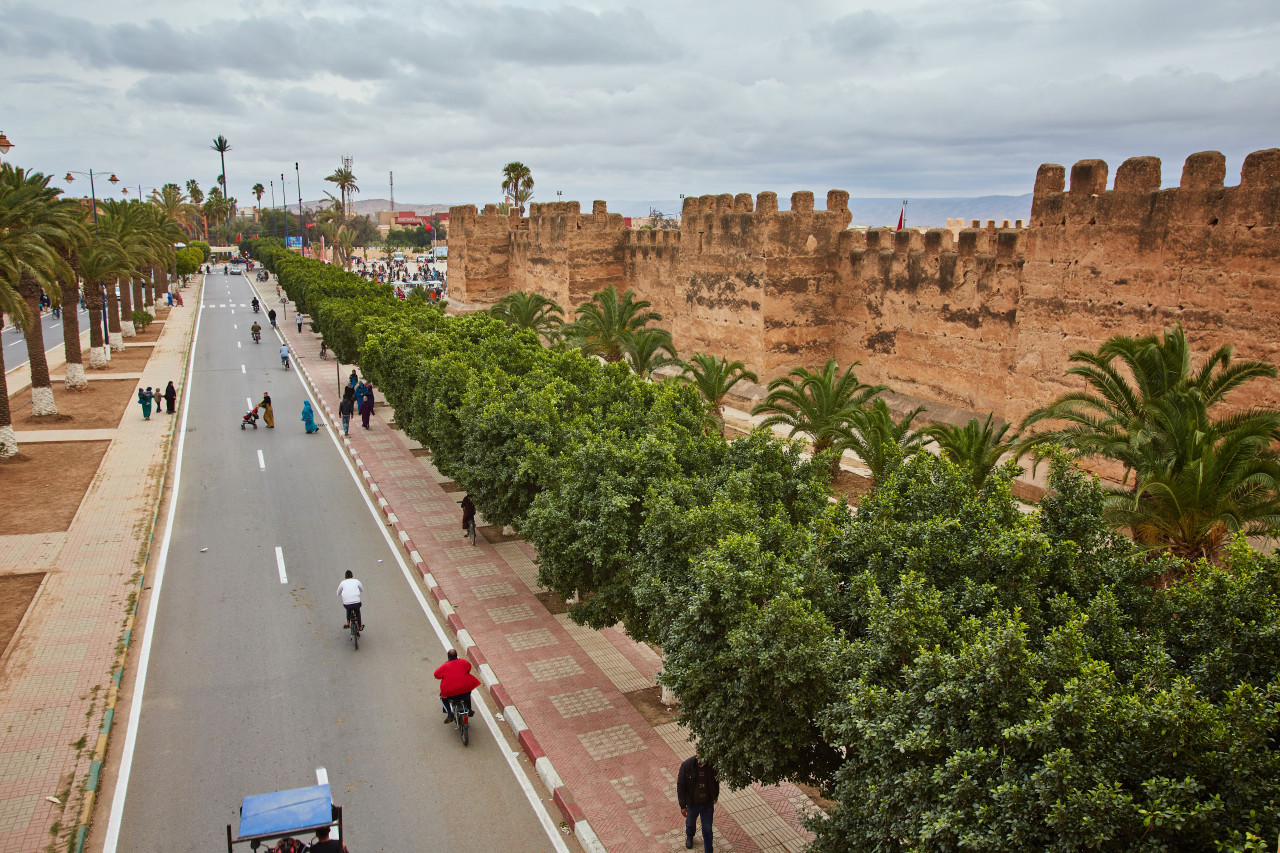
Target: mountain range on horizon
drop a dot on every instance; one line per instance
(873, 212)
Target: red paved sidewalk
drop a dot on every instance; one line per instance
(569, 683)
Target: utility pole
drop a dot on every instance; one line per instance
(392, 176)
(347, 163)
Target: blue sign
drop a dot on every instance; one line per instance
(293, 242)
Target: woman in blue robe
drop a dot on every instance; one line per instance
(309, 418)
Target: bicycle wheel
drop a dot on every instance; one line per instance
(466, 726)
(471, 531)
(355, 633)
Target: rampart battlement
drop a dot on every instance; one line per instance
(711, 212)
(1135, 198)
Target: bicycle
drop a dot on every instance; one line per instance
(471, 530)
(458, 707)
(353, 620)
(284, 359)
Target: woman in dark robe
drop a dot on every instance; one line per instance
(170, 399)
(366, 405)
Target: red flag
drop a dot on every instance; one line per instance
(901, 214)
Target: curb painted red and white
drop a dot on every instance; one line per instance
(570, 811)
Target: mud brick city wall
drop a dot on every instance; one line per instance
(984, 320)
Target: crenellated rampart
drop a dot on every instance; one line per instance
(983, 318)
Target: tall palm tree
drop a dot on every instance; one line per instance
(976, 447)
(51, 227)
(196, 195)
(345, 180)
(258, 192)
(644, 351)
(174, 205)
(222, 146)
(714, 377)
(531, 311)
(880, 440)
(602, 325)
(821, 405)
(69, 292)
(102, 261)
(517, 182)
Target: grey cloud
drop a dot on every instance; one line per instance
(197, 91)
(859, 34)
(570, 36)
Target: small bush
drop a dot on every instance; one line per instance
(141, 319)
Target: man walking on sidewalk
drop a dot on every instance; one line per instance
(697, 790)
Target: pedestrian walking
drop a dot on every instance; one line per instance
(144, 400)
(366, 405)
(697, 790)
(158, 396)
(170, 399)
(309, 418)
(353, 380)
(268, 416)
(298, 317)
(347, 408)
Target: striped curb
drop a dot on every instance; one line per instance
(94, 780)
(570, 812)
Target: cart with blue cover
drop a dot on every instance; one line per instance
(285, 814)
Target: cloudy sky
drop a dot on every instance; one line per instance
(624, 100)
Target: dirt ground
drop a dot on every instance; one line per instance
(44, 484)
(98, 406)
(151, 335)
(128, 360)
(851, 486)
(648, 701)
(16, 592)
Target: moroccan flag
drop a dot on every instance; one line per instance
(901, 215)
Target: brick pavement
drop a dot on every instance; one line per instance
(568, 684)
(61, 672)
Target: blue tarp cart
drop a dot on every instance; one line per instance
(285, 814)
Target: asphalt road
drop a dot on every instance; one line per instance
(252, 683)
(14, 344)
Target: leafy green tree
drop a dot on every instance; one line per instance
(189, 260)
(531, 311)
(602, 325)
(821, 404)
(975, 447)
(880, 440)
(715, 377)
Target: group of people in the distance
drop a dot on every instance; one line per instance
(149, 396)
(357, 396)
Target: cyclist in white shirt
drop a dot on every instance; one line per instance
(350, 591)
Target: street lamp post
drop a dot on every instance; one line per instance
(301, 229)
(275, 223)
(5, 144)
(284, 195)
(93, 195)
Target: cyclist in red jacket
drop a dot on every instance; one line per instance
(456, 680)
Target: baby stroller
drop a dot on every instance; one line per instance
(250, 418)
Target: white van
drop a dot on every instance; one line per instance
(421, 259)
(398, 256)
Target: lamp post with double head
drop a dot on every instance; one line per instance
(93, 200)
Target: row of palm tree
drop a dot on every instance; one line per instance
(1192, 476)
(47, 245)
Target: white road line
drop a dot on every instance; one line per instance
(237, 345)
(248, 402)
(322, 776)
(242, 368)
(234, 326)
(549, 826)
(262, 466)
(280, 565)
(144, 656)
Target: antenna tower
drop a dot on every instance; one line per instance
(392, 176)
(347, 163)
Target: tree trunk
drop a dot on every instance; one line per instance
(8, 441)
(97, 346)
(42, 403)
(115, 337)
(71, 335)
(127, 329)
(139, 292)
